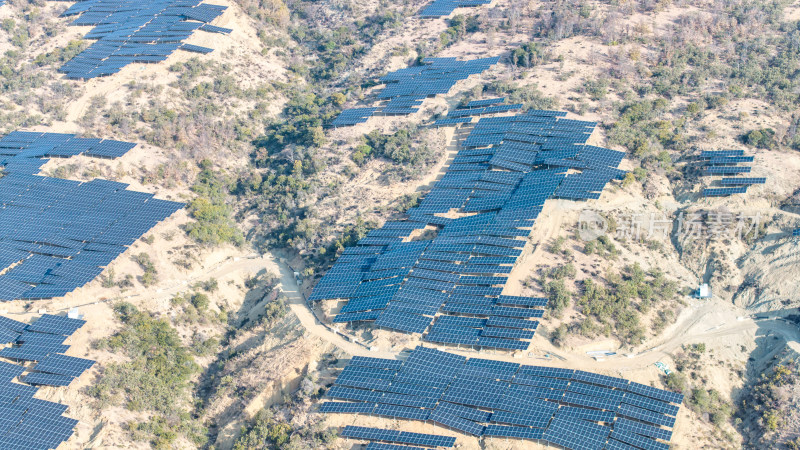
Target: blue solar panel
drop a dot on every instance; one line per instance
(536, 421)
(353, 116)
(28, 422)
(462, 270)
(59, 325)
(729, 160)
(47, 379)
(502, 399)
(452, 421)
(403, 412)
(486, 102)
(128, 31)
(13, 325)
(375, 362)
(723, 162)
(403, 437)
(727, 170)
(441, 8)
(513, 432)
(586, 413)
(707, 154)
(509, 333)
(383, 446)
(723, 192)
(522, 301)
(623, 424)
(742, 180)
(407, 88)
(64, 365)
(575, 434)
(452, 121)
(638, 441)
(464, 412)
(78, 228)
(196, 48)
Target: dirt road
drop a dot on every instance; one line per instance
(289, 287)
(699, 322)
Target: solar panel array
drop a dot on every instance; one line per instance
(43, 342)
(452, 121)
(485, 102)
(443, 8)
(723, 192)
(353, 116)
(407, 88)
(57, 235)
(136, 31)
(27, 422)
(403, 437)
(478, 111)
(725, 162)
(486, 398)
(742, 180)
(726, 170)
(450, 288)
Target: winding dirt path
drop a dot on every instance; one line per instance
(703, 320)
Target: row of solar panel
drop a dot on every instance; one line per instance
(494, 398)
(708, 154)
(403, 437)
(30, 423)
(485, 102)
(57, 234)
(131, 32)
(723, 162)
(408, 87)
(404, 292)
(723, 192)
(484, 110)
(42, 341)
(442, 8)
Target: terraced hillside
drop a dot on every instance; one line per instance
(531, 192)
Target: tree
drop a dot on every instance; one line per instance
(763, 138)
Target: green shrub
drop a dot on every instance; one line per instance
(676, 382)
(459, 27)
(763, 138)
(150, 275)
(530, 95)
(155, 378)
(529, 55)
(767, 396)
(200, 301)
(264, 432)
(597, 88)
(214, 222)
(559, 335)
(559, 296)
(303, 117)
(558, 245)
(617, 306)
(410, 158)
(708, 401)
